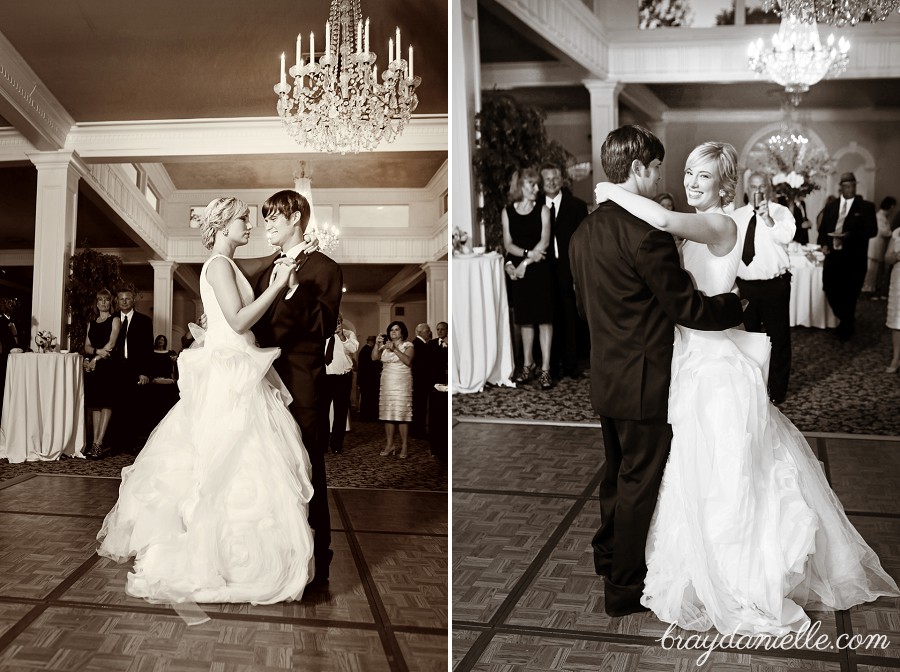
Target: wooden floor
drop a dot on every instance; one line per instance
(525, 596)
(62, 607)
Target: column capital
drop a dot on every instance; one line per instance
(430, 266)
(599, 86)
(163, 265)
(63, 158)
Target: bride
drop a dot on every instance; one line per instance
(747, 531)
(214, 508)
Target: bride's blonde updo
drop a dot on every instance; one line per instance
(726, 162)
(219, 214)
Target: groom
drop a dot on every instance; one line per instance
(631, 289)
(300, 323)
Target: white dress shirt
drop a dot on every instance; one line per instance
(771, 258)
(122, 316)
(557, 202)
(342, 362)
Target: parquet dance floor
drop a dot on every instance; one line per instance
(62, 607)
(525, 597)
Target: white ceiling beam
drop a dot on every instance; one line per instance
(568, 28)
(28, 104)
(639, 97)
(401, 283)
(157, 141)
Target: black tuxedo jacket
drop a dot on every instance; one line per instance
(859, 225)
(801, 235)
(302, 324)
(631, 289)
(421, 364)
(572, 211)
(440, 361)
(140, 345)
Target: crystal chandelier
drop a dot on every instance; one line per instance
(836, 12)
(337, 103)
(327, 234)
(796, 58)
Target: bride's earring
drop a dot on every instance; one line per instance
(721, 193)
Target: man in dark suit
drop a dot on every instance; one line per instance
(437, 401)
(9, 339)
(566, 213)
(847, 224)
(421, 375)
(631, 289)
(134, 348)
(368, 380)
(801, 221)
(300, 323)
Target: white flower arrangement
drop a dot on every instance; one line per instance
(460, 240)
(45, 341)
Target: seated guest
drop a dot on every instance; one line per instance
(157, 398)
(162, 362)
(101, 369)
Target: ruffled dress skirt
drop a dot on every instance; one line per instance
(747, 532)
(214, 508)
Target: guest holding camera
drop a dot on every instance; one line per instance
(395, 401)
(101, 379)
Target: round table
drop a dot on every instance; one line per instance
(809, 306)
(482, 345)
(43, 407)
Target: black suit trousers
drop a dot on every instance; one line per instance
(566, 325)
(769, 311)
(337, 391)
(636, 454)
(842, 279)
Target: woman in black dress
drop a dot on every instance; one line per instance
(100, 383)
(526, 237)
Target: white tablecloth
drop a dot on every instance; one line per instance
(809, 307)
(482, 345)
(43, 407)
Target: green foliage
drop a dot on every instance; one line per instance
(89, 272)
(510, 136)
(661, 13)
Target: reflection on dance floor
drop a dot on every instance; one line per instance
(525, 595)
(62, 607)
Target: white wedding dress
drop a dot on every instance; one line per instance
(746, 531)
(214, 508)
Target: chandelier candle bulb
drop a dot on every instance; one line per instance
(367, 35)
(327, 39)
(359, 44)
(410, 62)
(299, 60)
(390, 51)
(398, 44)
(283, 73)
(312, 48)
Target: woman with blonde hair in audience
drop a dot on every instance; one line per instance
(100, 383)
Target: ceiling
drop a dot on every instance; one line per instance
(503, 38)
(108, 60)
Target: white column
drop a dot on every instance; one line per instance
(163, 276)
(54, 239)
(465, 102)
(436, 282)
(604, 117)
(386, 316)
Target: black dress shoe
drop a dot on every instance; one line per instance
(626, 610)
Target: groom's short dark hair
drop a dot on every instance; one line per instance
(624, 145)
(287, 202)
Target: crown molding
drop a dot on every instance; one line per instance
(28, 104)
(811, 115)
(14, 146)
(155, 141)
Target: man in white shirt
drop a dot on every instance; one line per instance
(339, 381)
(764, 278)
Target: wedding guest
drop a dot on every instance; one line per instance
(566, 214)
(764, 279)
(157, 398)
(421, 374)
(395, 402)
(133, 349)
(893, 307)
(666, 200)
(101, 369)
(878, 246)
(526, 238)
(847, 225)
(339, 351)
(801, 221)
(368, 382)
(438, 402)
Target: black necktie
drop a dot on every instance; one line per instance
(329, 350)
(125, 331)
(552, 213)
(749, 243)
